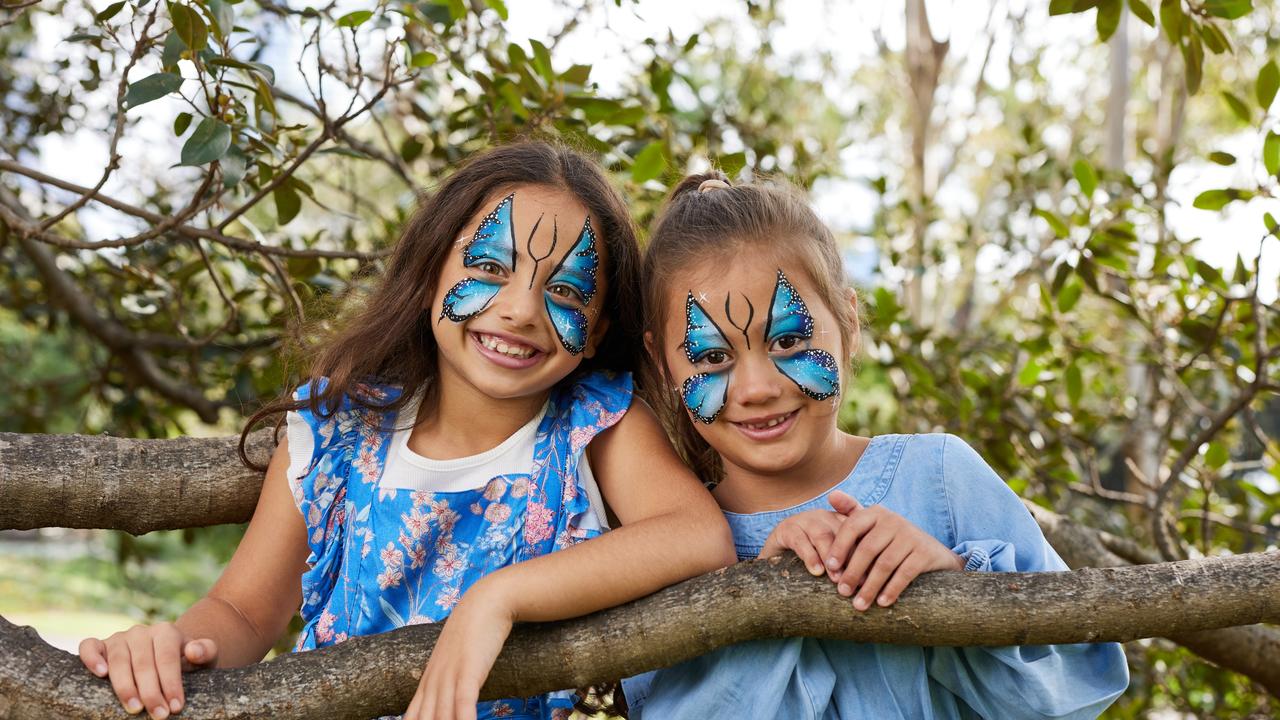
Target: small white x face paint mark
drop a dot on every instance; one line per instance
(702, 297)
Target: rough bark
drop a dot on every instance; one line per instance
(82, 481)
(375, 675)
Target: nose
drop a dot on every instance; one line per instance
(518, 305)
(755, 381)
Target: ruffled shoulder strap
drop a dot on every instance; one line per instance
(591, 403)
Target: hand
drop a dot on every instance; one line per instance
(808, 534)
(881, 552)
(145, 664)
(463, 656)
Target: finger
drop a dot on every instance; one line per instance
(414, 712)
(908, 571)
(809, 555)
(843, 502)
(120, 668)
(167, 648)
(93, 653)
(851, 530)
(142, 654)
(201, 653)
(884, 566)
(440, 695)
(869, 549)
(464, 702)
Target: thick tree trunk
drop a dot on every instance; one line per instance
(375, 675)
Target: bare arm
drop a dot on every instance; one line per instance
(671, 530)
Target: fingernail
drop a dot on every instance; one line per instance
(133, 707)
(197, 653)
(845, 590)
(859, 603)
(833, 563)
(815, 569)
(175, 705)
(100, 668)
(160, 712)
(884, 601)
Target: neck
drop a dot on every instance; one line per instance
(457, 420)
(746, 490)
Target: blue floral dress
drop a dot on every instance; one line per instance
(382, 558)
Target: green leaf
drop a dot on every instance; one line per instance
(1143, 11)
(578, 74)
(151, 87)
(1172, 20)
(208, 143)
(499, 6)
(423, 59)
(1069, 296)
(732, 163)
(233, 167)
(542, 59)
(1108, 18)
(1059, 227)
(1062, 7)
(224, 17)
(649, 163)
(1030, 373)
(85, 37)
(352, 20)
(189, 26)
(1212, 200)
(1270, 221)
(181, 123)
(1209, 273)
(109, 12)
(1238, 107)
(288, 202)
(1268, 81)
(1229, 9)
(410, 149)
(1213, 39)
(1086, 176)
(172, 51)
(1217, 455)
(262, 69)
(1075, 384)
(1222, 158)
(1271, 153)
(1193, 63)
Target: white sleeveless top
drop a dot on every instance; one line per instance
(407, 469)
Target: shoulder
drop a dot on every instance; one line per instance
(596, 399)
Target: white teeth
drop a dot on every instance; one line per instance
(768, 424)
(497, 345)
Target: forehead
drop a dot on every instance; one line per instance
(532, 201)
(736, 274)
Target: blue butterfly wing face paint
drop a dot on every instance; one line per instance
(814, 371)
(574, 284)
(493, 241)
(704, 394)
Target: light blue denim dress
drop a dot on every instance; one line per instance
(941, 485)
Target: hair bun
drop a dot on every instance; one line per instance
(713, 184)
(700, 183)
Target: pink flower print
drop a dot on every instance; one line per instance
(340, 637)
(495, 489)
(449, 598)
(502, 709)
(476, 508)
(324, 627)
(367, 462)
(390, 578)
(561, 714)
(405, 541)
(417, 557)
(579, 437)
(520, 487)
(392, 557)
(497, 513)
(368, 543)
(313, 515)
(537, 524)
(422, 497)
(446, 519)
(416, 522)
(449, 564)
(417, 619)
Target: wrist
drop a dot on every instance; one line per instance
(491, 595)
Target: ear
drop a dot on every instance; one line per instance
(597, 335)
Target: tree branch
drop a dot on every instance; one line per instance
(751, 600)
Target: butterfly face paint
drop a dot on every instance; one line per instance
(814, 371)
(493, 242)
(704, 394)
(570, 288)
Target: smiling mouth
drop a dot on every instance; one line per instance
(766, 424)
(506, 347)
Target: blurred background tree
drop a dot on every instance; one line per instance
(1062, 221)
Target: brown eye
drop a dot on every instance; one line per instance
(490, 267)
(715, 357)
(786, 343)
